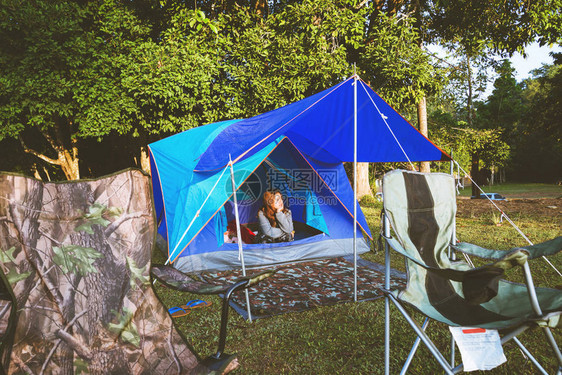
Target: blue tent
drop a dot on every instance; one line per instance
(300, 149)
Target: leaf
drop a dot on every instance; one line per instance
(86, 227)
(13, 276)
(80, 366)
(95, 217)
(125, 327)
(76, 259)
(7, 256)
(137, 273)
(114, 211)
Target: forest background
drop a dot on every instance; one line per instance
(85, 85)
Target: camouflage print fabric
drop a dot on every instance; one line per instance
(77, 256)
(302, 286)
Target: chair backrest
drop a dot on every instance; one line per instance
(8, 314)
(421, 208)
(77, 256)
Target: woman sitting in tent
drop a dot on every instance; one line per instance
(275, 220)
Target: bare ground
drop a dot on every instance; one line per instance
(551, 207)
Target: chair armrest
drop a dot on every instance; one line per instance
(178, 280)
(183, 282)
(479, 284)
(534, 251)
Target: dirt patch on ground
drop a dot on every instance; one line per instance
(533, 207)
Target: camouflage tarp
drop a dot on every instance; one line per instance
(77, 256)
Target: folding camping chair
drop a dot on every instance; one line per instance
(8, 307)
(77, 256)
(421, 208)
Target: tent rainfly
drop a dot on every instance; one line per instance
(299, 149)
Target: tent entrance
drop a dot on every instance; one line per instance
(299, 185)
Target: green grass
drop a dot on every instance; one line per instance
(349, 338)
(514, 191)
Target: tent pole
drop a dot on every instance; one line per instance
(354, 184)
(239, 235)
(452, 255)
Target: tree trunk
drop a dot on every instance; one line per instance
(363, 186)
(262, 8)
(422, 104)
(68, 161)
(422, 123)
(475, 173)
(67, 157)
(145, 159)
(469, 99)
(475, 157)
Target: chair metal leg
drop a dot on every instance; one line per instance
(554, 345)
(530, 356)
(452, 357)
(224, 318)
(414, 349)
(386, 336)
(220, 360)
(386, 228)
(422, 335)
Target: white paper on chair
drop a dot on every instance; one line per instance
(481, 349)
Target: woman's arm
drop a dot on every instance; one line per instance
(285, 220)
(266, 228)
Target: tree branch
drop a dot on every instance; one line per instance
(361, 4)
(74, 344)
(113, 227)
(54, 348)
(21, 364)
(40, 156)
(51, 141)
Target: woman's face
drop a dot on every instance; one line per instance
(278, 202)
(275, 201)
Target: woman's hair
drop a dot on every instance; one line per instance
(267, 208)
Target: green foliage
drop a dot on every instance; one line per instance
(104, 69)
(137, 274)
(13, 275)
(290, 55)
(7, 256)
(125, 327)
(504, 108)
(370, 201)
(76, 259)
(539, 133)
(95, 216)
(80, 366)
(450, 134)
(40, 52)
(468, 80)
(500, 25)
(393, 60)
